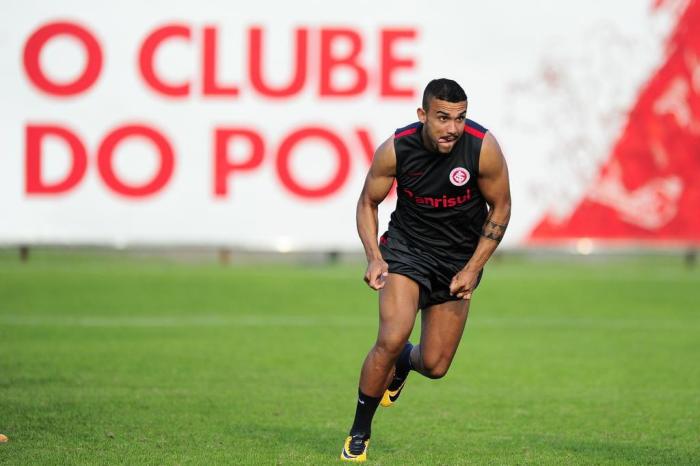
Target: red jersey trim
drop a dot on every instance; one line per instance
(405, 133)
(474, 132)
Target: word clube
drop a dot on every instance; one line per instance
(321, 56)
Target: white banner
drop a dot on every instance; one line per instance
(252, 124)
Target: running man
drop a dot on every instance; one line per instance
(452, 211)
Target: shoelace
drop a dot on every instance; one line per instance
(357, 445)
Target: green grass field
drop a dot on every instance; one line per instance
(112, 360)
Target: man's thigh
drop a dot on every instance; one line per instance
(442, 326)
(398, 306)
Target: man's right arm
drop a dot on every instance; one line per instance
(378, 183)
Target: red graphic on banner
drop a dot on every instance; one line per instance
(649, 189)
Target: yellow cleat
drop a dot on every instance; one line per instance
(390, 396)
(355, 449)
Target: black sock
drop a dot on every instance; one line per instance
(403, 367)
(366, 406)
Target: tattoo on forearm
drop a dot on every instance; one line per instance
(493, 230)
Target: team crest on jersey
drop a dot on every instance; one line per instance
(459, 176)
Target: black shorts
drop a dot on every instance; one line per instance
(432, 273)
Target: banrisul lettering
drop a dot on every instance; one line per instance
(440, 202)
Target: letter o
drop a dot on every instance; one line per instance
(285, 152)
(106, 151)
(35, 44)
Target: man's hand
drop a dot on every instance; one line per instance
(377, 271)
(463, 284)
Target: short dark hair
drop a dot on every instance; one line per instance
(443, 89)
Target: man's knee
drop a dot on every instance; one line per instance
(436, 372)
(390, 345)
(435, 368)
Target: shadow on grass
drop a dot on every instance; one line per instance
(293, 440)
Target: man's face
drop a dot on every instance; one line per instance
(443, 124)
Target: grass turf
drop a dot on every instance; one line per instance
(111, 360)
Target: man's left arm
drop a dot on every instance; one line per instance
(494, 185)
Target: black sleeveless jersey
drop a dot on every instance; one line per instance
(440, 208)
